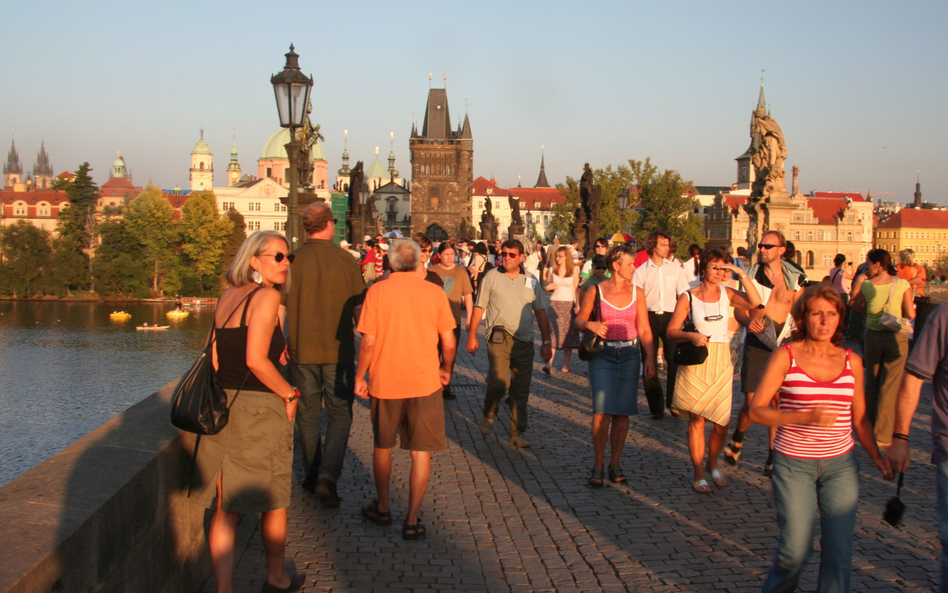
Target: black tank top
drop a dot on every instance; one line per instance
(232, 353)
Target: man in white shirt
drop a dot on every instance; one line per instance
(346, 245)
(662, 281)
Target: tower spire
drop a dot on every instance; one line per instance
(391, 158)
(344, 170)
(918, 188)
(541, 180)
(761, 104)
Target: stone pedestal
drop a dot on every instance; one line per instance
(488, 228)
(515, 231)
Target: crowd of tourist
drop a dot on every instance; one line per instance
(704, 320)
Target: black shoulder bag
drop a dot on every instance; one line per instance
(199, 404)
(591, 342)
(686, 353)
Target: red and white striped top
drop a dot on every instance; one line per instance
(800, 392)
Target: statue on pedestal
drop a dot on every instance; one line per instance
(515, 230)
(587, 215)
(768, 152)
(308, 136)
(488, 223)
(355, 223)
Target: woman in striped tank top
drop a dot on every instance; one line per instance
(821, 402)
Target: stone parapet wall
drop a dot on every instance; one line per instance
(108, 513)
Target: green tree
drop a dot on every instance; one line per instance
(26, 251)
(666, 205)
(614, 182)
(564, 214)
(66, 269)
(122, 275)
(149, 222)
(82, 193)
(235, 239)
(203, 233)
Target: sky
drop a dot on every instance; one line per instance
(858, 87)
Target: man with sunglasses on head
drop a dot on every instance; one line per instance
(508, 295)
(779, 284)
(323, 302)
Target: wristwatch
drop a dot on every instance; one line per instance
(294, 395)
(547, 342)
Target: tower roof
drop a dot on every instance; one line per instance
(201, 147)
(13, 161)
(376, 170)
(275, 148)
(541, 180)
(466, 129)
(42, 166)
(761, 104)
(437, 124)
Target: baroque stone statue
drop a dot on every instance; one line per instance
(768, 153)
(356, 178)
(309, 135)
(515, 218)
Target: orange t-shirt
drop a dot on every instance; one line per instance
(405, 314)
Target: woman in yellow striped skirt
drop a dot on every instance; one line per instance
(704, 390)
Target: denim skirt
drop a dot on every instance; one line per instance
(614, 381)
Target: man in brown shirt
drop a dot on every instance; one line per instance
(326, 291)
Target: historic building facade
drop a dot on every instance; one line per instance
(442, 168)
(535, 203)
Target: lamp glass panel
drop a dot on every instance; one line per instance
(297, 104)
(283, 103)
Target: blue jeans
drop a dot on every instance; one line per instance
(800, 487)
(942, 494)
(330, 386)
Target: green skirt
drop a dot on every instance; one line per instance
(253, 455)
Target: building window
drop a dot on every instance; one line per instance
(253, 225)
(279, 226)
(796, 235)
(809, 236)
(849, 236)
(19, 210)
(827, 260)
(254, 207)
(227, 206)
(42, 210)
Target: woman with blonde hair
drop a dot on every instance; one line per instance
(564, 305)
(247, 466)
(614, 371)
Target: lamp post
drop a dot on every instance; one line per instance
(623, 205)
(291, 88)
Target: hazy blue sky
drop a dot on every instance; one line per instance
(859, 88)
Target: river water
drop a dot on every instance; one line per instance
(65, 368)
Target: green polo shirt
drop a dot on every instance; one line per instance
(511, 303)
(325, 285)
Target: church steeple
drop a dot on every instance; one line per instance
(918, 190)
(541, 180)
(12, 170)
(391, 158)
(43, 170)
(344, 170)
(233, 168)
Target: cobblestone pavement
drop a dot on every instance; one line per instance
(502, 519)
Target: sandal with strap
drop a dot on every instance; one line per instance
(373, 514)
(615, 474)
(595, 480)
(413, 532)
(732, 452)
(701, 487)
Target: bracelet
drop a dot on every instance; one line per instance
(900, 436)
(293, 396)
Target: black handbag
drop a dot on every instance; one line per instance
(591, 342)
(199, 404)
(686, 353)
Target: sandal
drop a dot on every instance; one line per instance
(701, 487)
(615, 474)
(718, 478)
(413, 532)
(546, 369)
(595, 480)
(564, 370)
(373, 514)
(732, 452)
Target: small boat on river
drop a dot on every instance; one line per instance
(176, 314)
(151, 327)
(120, 315)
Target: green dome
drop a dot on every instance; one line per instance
(376, 171)
(201, 147)
(275, 148)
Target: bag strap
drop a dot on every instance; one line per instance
(885, 307)
(212, 335)
(597, 308)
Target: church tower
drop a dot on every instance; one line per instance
(202, 166)
(345, 173)
(541, 180)
(12, 170)
(42, 170)
(442, 167)
(233, 169)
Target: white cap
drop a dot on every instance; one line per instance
(366, 238)
(344, 244)
(384, 247)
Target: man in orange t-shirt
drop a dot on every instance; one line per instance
(402, 321)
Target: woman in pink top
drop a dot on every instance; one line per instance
(821, 401)
(614, 372)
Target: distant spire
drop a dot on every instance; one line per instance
(345, 153)
(518, 181)
(541, 180)
(430, 74)
(918, 188)
(391, 158)
(233, 148)
(42, 168)
(761, 104)
(13, 161)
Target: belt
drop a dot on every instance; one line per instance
(622, 344)
(656, 312)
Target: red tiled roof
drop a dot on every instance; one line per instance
(66, 175)
(33, 197)
(827, 209)
(834, 194)
(915, 218)
(734, 200)
(546, 196)
(118, 187)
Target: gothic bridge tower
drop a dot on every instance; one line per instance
(442, 167)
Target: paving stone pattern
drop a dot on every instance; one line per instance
(502, 519)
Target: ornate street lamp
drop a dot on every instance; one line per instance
(291, 88)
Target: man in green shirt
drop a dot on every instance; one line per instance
(323, 301)
(510, 297)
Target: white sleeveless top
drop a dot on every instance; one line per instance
(717, 330)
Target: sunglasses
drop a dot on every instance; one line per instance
(713, 317)
(279, 257)
(426, 251)
(510, 254)
(601, 268)
(768, 245)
